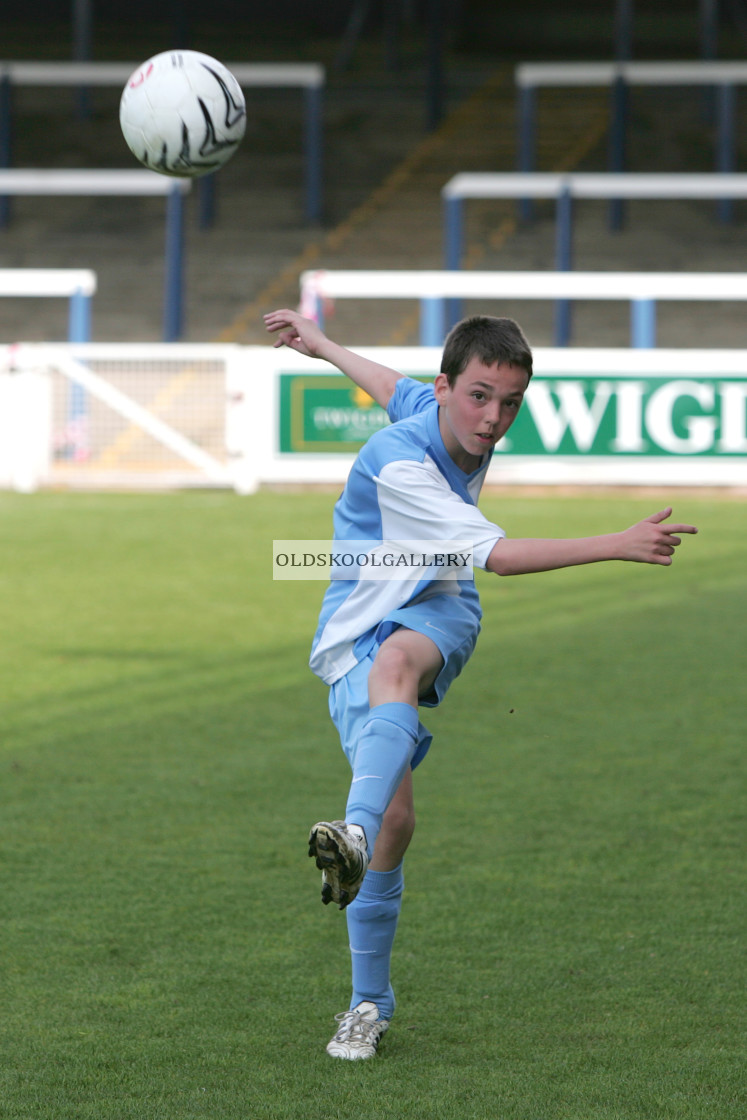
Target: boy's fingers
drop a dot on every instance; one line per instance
(275, 319)
(282, 313)
(662, 515)
(681, 529)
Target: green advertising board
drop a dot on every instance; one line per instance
(570, 415)
(326, 413)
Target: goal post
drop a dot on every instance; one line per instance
(25, 429)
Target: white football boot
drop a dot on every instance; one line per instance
(359, 1033)
(341, 856)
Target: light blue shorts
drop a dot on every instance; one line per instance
(448, 622)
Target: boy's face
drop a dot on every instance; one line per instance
(479, 409)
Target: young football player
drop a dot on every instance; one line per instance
(386, 648)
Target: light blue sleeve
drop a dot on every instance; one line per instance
(409, 397)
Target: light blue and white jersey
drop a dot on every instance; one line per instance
(403, 486)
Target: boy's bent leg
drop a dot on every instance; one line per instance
(342, 849)
(405, 663)
(405, 666)
(385, 750)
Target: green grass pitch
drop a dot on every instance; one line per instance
(572, 939)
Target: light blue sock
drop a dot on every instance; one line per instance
(385, 749)
(372, 923)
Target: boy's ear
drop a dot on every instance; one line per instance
(441, 387)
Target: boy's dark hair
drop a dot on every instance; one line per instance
(491, 340)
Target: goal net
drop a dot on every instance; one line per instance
(132, 415)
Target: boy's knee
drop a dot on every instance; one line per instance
(394, 665)
(406, 660)
(399, 822)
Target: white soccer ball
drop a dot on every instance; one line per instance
(182, 113)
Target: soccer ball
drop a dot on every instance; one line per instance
(182, 113)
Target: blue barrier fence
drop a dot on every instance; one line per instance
(16, 181)
(435, 289)
(618, 77)
(565, 189)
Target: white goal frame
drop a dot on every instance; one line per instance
(29, 414)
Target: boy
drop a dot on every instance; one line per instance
(385, 648)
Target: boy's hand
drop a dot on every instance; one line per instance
(651, 542)
(296, 332)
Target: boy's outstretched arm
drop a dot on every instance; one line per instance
(305, 337)
(647, 542)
